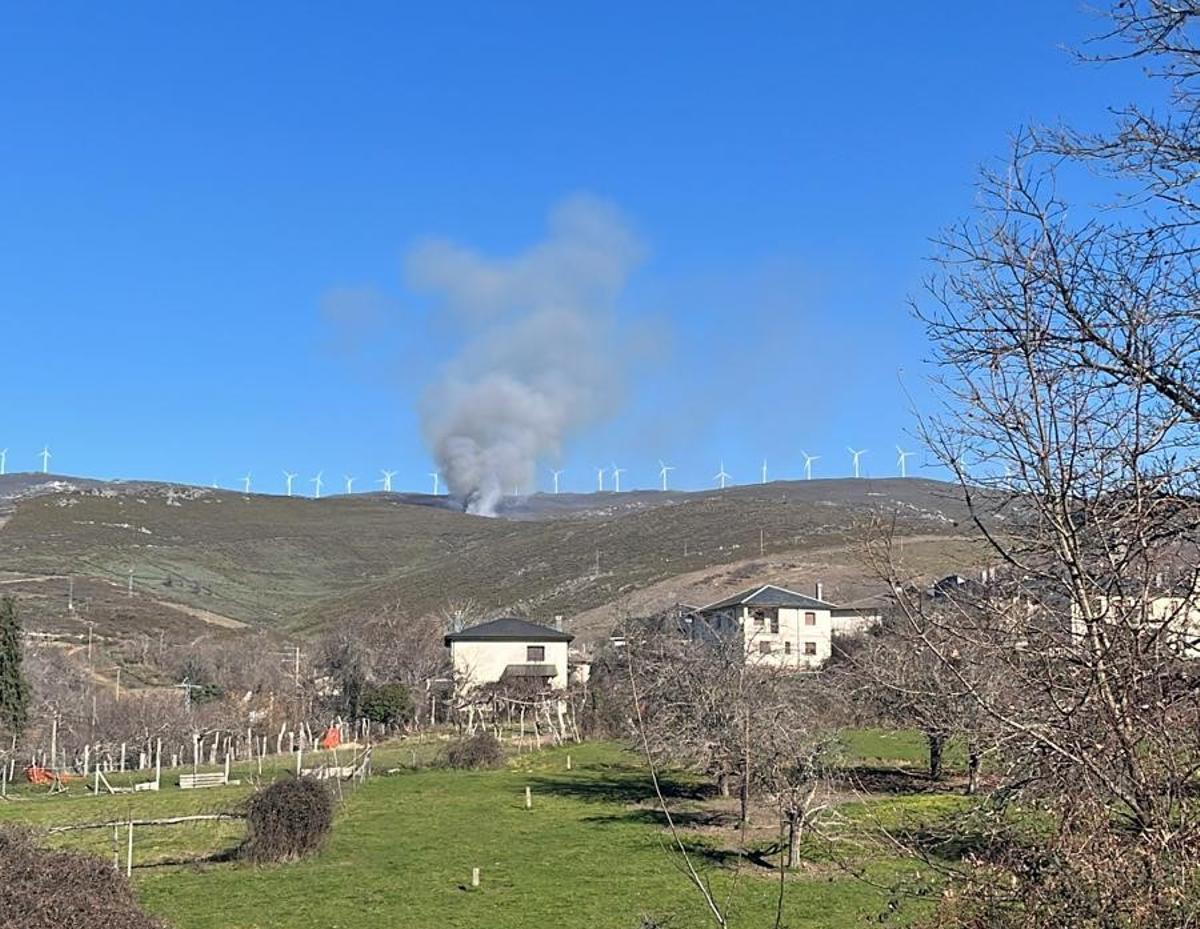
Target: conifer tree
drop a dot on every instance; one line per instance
(14, 689)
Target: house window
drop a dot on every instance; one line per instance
(775, 623)
(535, 653)
(810, 619)
(760, 619)
(787, 648)
(764, 648)
(810, 648)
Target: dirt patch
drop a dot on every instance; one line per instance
(205, 616)
(842, 569)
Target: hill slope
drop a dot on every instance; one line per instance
(295, 564)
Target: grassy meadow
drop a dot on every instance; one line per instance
(592, 852)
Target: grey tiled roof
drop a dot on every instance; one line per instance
(769, 595)
(529, 670)
(509, 629)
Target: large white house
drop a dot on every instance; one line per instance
(509, 650)
(780, 627)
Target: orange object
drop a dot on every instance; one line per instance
(36, 774)
(332, 738)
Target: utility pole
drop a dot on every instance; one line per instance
(597, 569)
(762, 547)
(129, 592)
(296, 672)
(70, 594)
(89, 645)
(118, 685)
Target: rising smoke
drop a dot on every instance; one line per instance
(541, 358)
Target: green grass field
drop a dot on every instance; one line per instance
(590, 853)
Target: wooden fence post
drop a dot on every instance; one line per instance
(129, 852)
(528, 799)
(474, 877)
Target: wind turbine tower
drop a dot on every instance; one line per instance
(289, 476)
(616, 473)
(317, 484)
(45, 456)
(764, 471)
(722, 477)
(556, 474)
(856, 455)
(387, 480)
(436, 477)
(3, 459)
(663, 471)
(808, 460)
(349, 484)
(246, 483)
(599, 480)
(903, 457)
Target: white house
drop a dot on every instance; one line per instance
(509, 649)
(780, 627)
(1168, 612)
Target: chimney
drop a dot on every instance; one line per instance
(819, 591)
(558, 621)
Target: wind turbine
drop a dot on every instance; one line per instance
(616, 473)
(903, 457)
(387, 480)
(317, 483)
(764, 471)
(599, 479)
(722, 476)
(857, 454)
(246, 483)
(45, 456)
(808, 460)
(349, 484)
(289, 476)
(556, 474)
(663, 471)
(3, 459)
(436, 477)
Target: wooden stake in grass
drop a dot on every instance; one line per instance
(528, 799)
(129, 852)
(568, 762)
(474, 877)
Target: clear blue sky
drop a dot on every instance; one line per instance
(180, 189)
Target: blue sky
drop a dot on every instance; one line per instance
(182, 189)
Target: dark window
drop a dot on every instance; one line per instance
(810, 648)
(535, 652)
(760, 619)
(775, 623)
(787, 648)
(810, 619)
(764, 648)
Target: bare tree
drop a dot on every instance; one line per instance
(1069, 346)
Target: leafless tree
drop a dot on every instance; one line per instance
(1068, 342)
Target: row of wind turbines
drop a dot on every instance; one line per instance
(722, 478)
(44, 454)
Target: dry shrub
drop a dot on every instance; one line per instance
(481, 750)
(42, 888)
(288, 820)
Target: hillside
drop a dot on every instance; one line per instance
(214, 562)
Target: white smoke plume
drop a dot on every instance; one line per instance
(542, 358)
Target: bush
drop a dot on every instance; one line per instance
(387, 704)
(43, 888)
(481, 750)
(288, 820)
